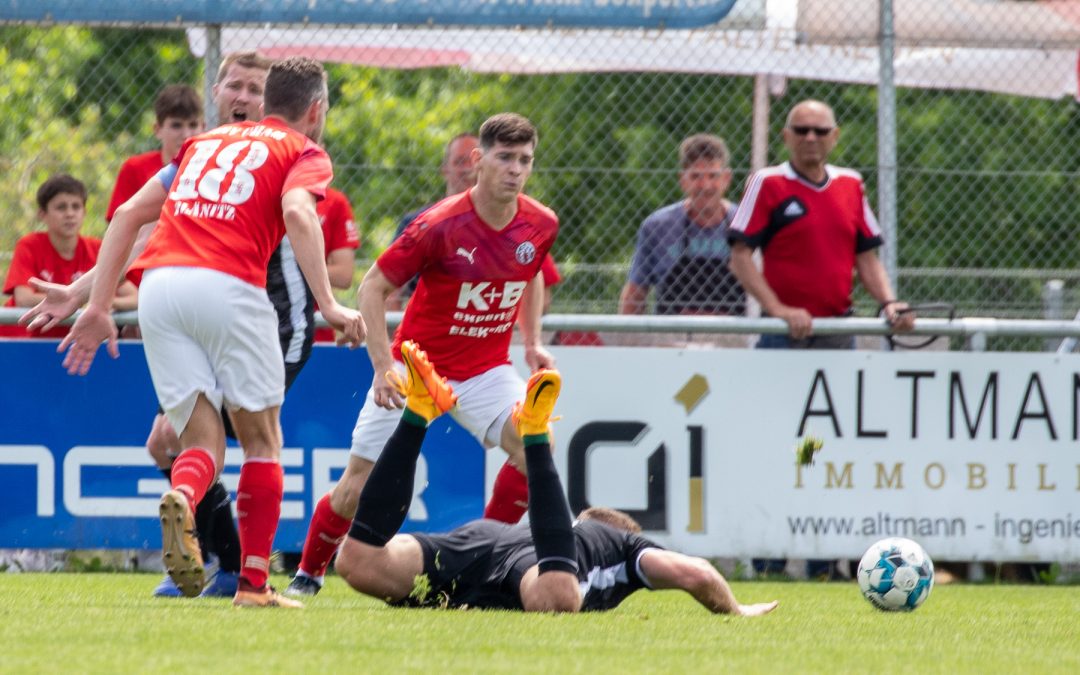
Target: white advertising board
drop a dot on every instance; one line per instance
(975, 455)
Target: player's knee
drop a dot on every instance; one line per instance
(162, 443)
(353, 564)
(553, 592)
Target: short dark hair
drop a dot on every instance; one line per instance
(292, 85)
(60, 183)
(244, 60)
(179, 101)
(702, 146)
(620, 520)
(507, 128)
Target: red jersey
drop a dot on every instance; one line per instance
(224, 207)
(35, 256)
(339, 231)
(808, 234)
(472, 279)
(134, 173)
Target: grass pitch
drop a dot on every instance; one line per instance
(109, 623)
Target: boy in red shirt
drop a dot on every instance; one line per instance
(59, 254)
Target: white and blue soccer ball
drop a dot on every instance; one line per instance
(896, 575)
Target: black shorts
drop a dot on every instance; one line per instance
(291, 371)
(477, 565)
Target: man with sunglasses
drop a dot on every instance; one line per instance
(814, 226)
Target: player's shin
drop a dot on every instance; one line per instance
(509, 496)
(386, 496)
(192, 474)
(258, 504)
(325, 533)
(549, 512)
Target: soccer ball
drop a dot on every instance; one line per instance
(896, 575)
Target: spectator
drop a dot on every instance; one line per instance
(340, 241)
(178, 115)
(682, 248)
(59, 254)
(814, 226)
(458, 169)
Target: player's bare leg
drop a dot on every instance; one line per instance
(258, 504)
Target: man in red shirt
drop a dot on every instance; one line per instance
(479, 256)
(59, 254)
(341, 240)
(814, 226)
(224, 205)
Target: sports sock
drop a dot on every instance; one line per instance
(509, 496)
(192, 473)
(386, 496)
(325, 533)
(549, 513)
(222, 537)
(258, 503)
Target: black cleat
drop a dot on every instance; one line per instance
(303, 587)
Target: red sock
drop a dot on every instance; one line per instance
(193, 473)
(258, 504)
(510, 496)
(325, 533)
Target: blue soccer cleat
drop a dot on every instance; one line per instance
(167, 589)
(221, 585)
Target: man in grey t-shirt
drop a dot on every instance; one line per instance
(682, 250)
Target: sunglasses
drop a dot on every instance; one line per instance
(820, 131)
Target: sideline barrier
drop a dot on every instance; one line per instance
(973, 454)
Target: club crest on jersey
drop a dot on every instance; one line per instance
(525, 253)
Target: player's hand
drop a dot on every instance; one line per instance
(388, 387)
(799, 321)
(93, 327)
(537, 358)
(59, 304)
(348, 322)
(899, 316)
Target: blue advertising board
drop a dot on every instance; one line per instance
(74, 471)
(585, 13)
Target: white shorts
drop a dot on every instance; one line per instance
(484, 404)
(207, 332)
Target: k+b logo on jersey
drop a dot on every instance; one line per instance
(485, 295)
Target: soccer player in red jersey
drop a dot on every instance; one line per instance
(479, 256)
(209, 329)
(341, 240)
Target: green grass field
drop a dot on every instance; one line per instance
(109, 623)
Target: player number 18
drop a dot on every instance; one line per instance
(193, 183)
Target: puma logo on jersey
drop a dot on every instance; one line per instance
(468, 255)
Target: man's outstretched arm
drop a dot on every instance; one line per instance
(669, 569)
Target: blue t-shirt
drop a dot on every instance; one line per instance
(668, 235)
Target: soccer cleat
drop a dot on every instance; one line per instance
(426, 393)
(167, 589)
(303, 587)
(221, 585)
(531, 416)
(179, 546)
(246, 596)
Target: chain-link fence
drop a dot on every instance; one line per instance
(987, 128)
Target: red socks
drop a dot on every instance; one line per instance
(325, 533)
(258, 505)
(510, 496)
(193, 473)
